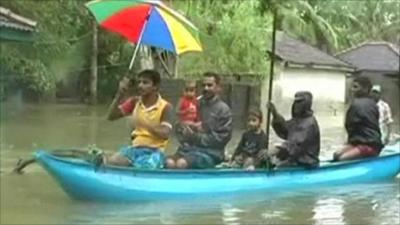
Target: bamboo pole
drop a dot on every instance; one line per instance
(271, 73)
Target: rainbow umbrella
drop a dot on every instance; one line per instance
(147, 22)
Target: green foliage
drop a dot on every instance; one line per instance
(37, 66)
(359, 21)
(62, 48)
(337, 24)
(233, 34)
(20, 71)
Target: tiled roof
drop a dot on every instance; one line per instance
(11, 20)
(296, 51)
(373, 56)
(6, 23)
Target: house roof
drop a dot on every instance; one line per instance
(8, 19)
(373, 56)
(296, 51)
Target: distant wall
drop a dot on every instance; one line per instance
(328, 88)
(323, 84)
(239, 94)
(240, 97)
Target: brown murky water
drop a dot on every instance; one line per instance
(34, 198)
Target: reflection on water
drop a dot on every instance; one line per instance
(34, 198)
(230, 214)
(329, 211)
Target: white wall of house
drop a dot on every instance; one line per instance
(323, 84)
(327, 86)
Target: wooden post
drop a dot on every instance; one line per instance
(176, 67)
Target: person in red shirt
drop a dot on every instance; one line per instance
(187, 112)
(188, 106)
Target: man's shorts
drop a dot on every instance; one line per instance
(144, 157)
(195, 157)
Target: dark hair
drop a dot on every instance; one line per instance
(257, 113)
(152, 75)
(216, 77)
(364, 82)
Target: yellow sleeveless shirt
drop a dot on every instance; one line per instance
(152, 115)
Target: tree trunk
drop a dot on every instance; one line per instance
(93, 67)
(322, 42)
(176, 67)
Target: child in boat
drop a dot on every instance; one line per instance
(188, 109)
(188, 106)
(253, 142)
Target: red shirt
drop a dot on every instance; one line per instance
(188, 109)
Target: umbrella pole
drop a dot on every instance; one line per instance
(134, 55)
(139, 41)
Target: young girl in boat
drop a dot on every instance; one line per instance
(252, 143)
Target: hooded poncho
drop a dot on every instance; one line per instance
(301, 132)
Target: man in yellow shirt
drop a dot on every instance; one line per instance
(151, 116)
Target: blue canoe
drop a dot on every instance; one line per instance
(80, 181)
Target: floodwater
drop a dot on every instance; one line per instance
(34, 198)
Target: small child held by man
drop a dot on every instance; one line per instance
(188, 110)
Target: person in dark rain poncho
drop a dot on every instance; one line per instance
(301, 133)
(362, 124)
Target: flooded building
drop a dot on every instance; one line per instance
(380, 62)
(14, 27)
(302, 67)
